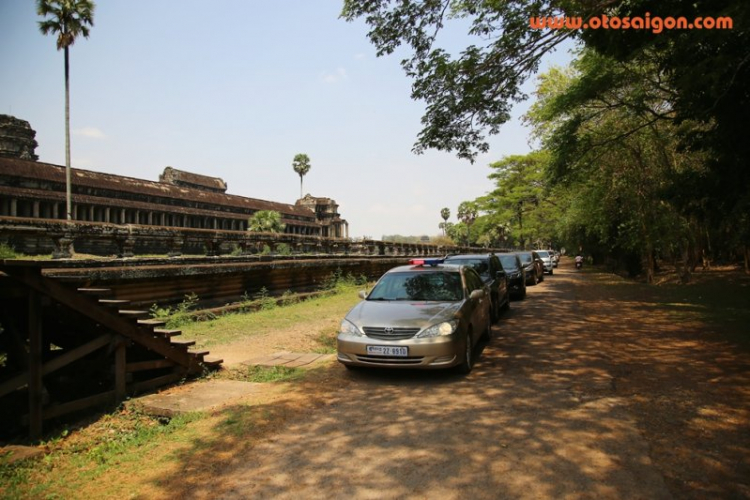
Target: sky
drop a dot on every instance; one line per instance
(235, 89)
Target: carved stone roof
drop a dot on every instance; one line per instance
(83, 179)
(189, 179)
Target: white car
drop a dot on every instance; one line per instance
(547, 259)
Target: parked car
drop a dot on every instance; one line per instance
(516, 274)
(491, 270)
(546, 261)
(425, 315)
(533, 266)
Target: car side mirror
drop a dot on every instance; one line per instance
(501, 274)
(362, 294)
(476, 294)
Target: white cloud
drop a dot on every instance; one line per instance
(335, 77)
(90, 132)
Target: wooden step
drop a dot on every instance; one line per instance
(198, 352)
(167, 333)
(134, 313)
(181, 342)
(152, 322)
(95, 291)
(113, 302)
(212, 361)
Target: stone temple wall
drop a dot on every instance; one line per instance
(17, 139)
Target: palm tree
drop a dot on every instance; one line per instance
(301, 165)
(445, 213)
(467, 213)
(266, 221)
(68, 19)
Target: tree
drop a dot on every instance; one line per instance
(445, 213)
(69, 19)
(266, 221)
(467, 214)
(474, 91)
(301, 165)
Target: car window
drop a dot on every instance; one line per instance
(424, 286)
(481, 266)
(509, 262)
(543, 254)
(525, 257)
(473, 282)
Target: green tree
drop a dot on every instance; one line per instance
(69, 19)
(266, 221)
(445, 213)
(301, 165)
(615, 148)
(473, 91)
(467, 214)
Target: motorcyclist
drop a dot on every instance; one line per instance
(579, 261)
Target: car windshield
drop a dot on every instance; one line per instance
(525, 257)
(481, 266)
(543, 254)
(423, 286)
(509, 262)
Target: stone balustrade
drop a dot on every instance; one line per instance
(60, 238)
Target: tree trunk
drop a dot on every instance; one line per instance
(68, 202)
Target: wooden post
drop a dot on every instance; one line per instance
(120, 375)
(35, 366)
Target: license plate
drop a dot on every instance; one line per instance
(385, 350)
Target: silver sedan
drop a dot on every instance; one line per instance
(427, 315)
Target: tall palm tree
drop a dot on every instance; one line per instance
(69, 19)
(301, 165)
(445, 213)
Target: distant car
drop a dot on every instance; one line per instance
(533, 266)
(546, 257)
(492, 272)
(555, 257)
(426, 315)
(516, 274)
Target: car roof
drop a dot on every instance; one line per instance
(470, 256)
(428, 268)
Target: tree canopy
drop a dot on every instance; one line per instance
(266, 221)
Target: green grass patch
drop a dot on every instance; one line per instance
(235, 326)
(268, 374)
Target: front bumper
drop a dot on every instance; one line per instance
(431, 353)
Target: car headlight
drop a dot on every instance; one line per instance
(439, 330)
(348, 328)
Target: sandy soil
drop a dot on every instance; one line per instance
(587, 390)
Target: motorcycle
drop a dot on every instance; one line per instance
(579, 262)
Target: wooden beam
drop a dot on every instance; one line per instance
(35, 365)
(22, 380)
(154, 364)
(120, 371)
(77, 405)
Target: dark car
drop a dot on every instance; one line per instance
(533, 265)
(490, 269)
(516, 274)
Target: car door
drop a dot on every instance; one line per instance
(479, 308)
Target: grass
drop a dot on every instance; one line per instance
(126, 444)
(231, 327)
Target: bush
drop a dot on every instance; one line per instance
(177, 316)
(7, 252)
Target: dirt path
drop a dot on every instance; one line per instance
(585, 391)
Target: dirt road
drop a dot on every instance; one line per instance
(585, 391)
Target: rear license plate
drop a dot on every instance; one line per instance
(385, 350)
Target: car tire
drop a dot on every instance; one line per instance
(506, 306)
(495, 311)
(467, 363)
(551, 272)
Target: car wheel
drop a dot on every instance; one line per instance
(495, 311)
(541, 277)
(534, 279)
(506, 306)
(551, 271)
(467, 363)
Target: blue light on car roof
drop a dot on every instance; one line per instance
(426, 262)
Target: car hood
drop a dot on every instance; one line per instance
(403, 313)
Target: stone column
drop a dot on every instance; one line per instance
(13, 207)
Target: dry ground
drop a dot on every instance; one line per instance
(590, 388)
